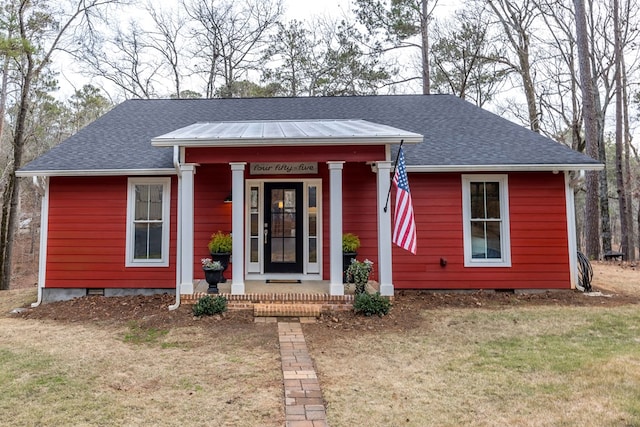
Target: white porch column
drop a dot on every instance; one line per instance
(335, 220)
(186, 228)
(385, 261)
(237, 227)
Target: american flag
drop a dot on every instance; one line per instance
(404, 229)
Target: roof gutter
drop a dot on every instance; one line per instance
(96, 172)
(506, 168)
(176, 165)
(284, 142)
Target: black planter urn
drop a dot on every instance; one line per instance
(223, 257)
(213, 278)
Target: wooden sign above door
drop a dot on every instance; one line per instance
(283, 168)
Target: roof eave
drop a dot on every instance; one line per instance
(96, 172)
(507, 168)
(285, 142)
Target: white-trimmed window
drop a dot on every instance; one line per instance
(148, 222)
(485, 213)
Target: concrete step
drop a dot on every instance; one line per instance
(287, 310)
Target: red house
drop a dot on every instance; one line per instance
(132, 199)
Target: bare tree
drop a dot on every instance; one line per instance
(516, 19)
(167, 41)
(400, 22)
(124, 59)
(43, 28)
(465, 62)
(232, 36)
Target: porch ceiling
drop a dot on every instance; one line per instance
(285, 132)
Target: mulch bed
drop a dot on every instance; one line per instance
(153, 312)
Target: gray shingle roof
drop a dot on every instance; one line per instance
(455, 131)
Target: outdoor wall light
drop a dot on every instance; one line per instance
(229, 198)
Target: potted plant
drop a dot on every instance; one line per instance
(358, 273)
(220, 249)
(212, 274)
(350, 246)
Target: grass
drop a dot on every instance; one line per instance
(526, 367)
(139, 335)
(95, 375)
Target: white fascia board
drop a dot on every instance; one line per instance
(98, 172)
(285, 142)
(505, 168)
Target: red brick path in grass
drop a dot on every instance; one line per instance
(304, 406)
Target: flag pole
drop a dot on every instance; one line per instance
(395, 166)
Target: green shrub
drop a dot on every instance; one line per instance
(371, 304)
(209, 305)
(350, 243)
(220, 243)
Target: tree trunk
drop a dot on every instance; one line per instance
(622, 195)
(627, 161)
(592, 242)
(424, 30)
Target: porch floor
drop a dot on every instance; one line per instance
(262, 287)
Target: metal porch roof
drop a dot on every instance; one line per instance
(285, 132)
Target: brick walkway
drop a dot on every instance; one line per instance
(304, 406)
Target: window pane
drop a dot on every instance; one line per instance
(254, 224)
(485, 240)
(477, 200)
(254, 198)
(142, 202)
(141, 240)
(148, 202)
(313, 252)
(276, 250)
(493, 240)
(290, 198)
(312, 226)
(148, 241)
(254, 250)
(478, 240)
(312, 197)
(493, 199)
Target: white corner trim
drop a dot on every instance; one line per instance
(571, 230)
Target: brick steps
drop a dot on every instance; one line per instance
(287, 310)
(306, 304)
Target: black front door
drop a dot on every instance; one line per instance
(283, 227)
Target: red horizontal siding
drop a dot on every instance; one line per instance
(355, 153)
(212, 184)
(539, 247)
(87, 237)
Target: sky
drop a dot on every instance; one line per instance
(301, 9)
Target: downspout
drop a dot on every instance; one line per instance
(176, 165)
(44, 232)
(572, 237)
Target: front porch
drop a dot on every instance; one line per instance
(281, 299)
(284, 190)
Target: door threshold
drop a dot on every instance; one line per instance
(290, 281)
